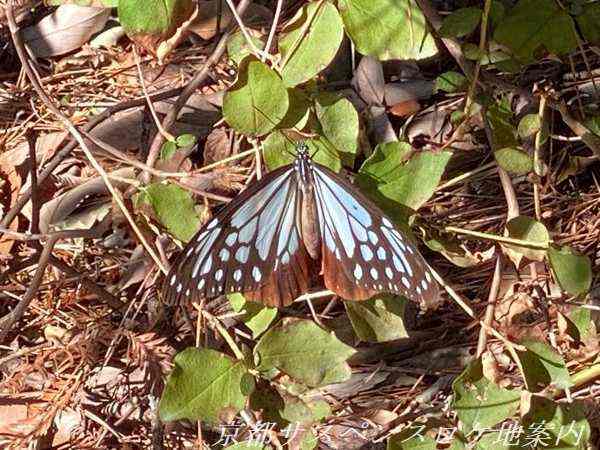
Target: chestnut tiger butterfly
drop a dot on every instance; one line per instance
(299, 222)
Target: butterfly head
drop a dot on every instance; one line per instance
(302, 149)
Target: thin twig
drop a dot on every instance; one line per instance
(496, 238)
(489, 311)
(267, 48)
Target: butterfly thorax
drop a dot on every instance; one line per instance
(308, 220)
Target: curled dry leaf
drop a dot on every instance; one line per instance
(65, 30)
(61, 207)
(368, 81)
(408, 90)
(380, 125)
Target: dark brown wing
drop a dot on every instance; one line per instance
(363, 254)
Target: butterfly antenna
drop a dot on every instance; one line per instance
(283, 134)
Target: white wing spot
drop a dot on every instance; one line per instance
(373, 238)
(187, 293)
(427, 276)
(212, 224)
(241, 255)
(405, 282)
(374, 273)
(397, 264)
(389, 272)
(230, 240)
(237, 275)
(285, 258)
(201, 283)
(406, 264)
(424, 284)
(386, 222)
(179, 288)
(366, 252)
(256, 274)
(219, 274)
(206, 266)
(201, 236)
(173, 278)
(418, 289)
(358, 273)
(224, 254)
(381, 253)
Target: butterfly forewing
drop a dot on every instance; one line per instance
(363, 254)
(252, 246)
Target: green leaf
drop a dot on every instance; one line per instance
(460, 23)
(555, 426)
(378, 319)
(279, 151)
(339, 121)
(309, 42)
(529, 125)
(185, 140)
(514, 160)
(167, 150)
(205, 385)
(542, 366)
(298, 112)
(479, 402)
(411, 183)
(387, 29)
(257, 101)
(153, 18)
(527, 229)
(305, 352)
(257, 317)
(500, 117)
(450, 82)
(572, 271)
(581, 318)
(412, 438)
(589, 22)
(174, 208)
(238, 48)
(535, 24)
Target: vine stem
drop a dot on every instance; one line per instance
(496, 238)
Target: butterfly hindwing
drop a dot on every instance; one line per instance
(363, 254)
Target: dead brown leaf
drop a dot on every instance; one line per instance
(65, 30)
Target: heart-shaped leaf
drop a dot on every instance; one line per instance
(310, 41)
(205, 385)
(257, 101)
(387, 29)
(573, 272)
(305, 352)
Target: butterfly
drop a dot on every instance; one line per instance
(299, 222)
